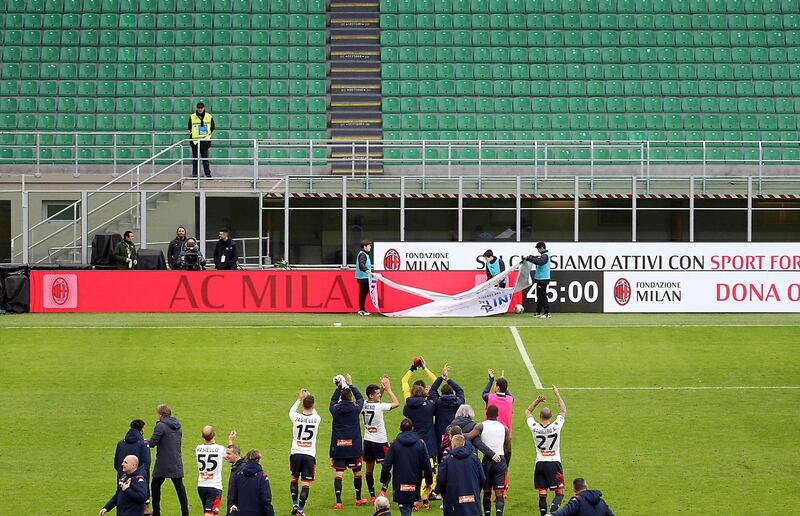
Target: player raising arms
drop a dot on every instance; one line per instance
(498, 438)
(549, 473)
(303, 457)
(346, 447)
(376, 442)
(417, 363)
(210, 458)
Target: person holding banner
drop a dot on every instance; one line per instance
(494, 266)
(542, 279)
(363, 268)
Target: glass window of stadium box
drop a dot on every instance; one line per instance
(662, 220)
(605, 220)
(5, 230)
(431, 220)
(547, 220)
(240, 216)
(720, 220)
(487, 220)
(273, 218)
(371, 219)
(776, 220)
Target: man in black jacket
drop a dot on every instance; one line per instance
(346, 446)
(251, 492)
(167, 436)
(586, 502)
(406, 464)
(234, 456)
(133, 444)
(225, 255)
(460, 481)
(176, 248)
(446, 405)
(131, 492)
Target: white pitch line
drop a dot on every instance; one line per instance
(525, 358)
(687, 388)
(361, 326)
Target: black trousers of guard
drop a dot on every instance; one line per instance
(155, 495)
(363, 292)
(542, 304)
(204, 146)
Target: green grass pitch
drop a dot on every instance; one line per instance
(667, 414)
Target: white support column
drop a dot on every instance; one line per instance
(202, 230)
(403, 209)
(143, 220)
(25, 227)
(286, 220)
(260, 228)
(749, 209)
(344, 221)
(633, 209)
(577, 209)
(84, 227)
(691, 209)
(460, 209)
(519, 209)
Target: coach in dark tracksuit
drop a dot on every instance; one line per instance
(446, 405)
(251, 493)
(586, 502)
(421, 411)
(235, 468)
(406, 464)
(542, 278)
(133, 444)
(167, 437)
(460, 480)
(131, 492)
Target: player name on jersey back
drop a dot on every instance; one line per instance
(210, 459)
(306, 429)
(547, 439)
(374, 424)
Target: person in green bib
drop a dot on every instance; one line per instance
(363, 268)
(201, 126)
(494, 266)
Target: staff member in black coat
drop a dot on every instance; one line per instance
(406, 464)
(233, 455)
(131, 492)
(133, 444)
(167, 436)
(586, 502)
(225, 255)
(251, 493)
(176, 248)
(461, 480)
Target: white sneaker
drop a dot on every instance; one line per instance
(361, 312)
(546, 316)
(365, 313)
(539, 316)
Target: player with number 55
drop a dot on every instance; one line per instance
(549, 474)
(210, 458)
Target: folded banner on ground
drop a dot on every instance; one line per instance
(488, 298)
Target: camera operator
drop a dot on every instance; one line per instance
(191, 259)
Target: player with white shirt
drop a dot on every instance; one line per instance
(303, 456)
(497, 437)
(376, 441)
(210, 458)
(549, 473)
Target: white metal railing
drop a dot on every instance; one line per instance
(537, 155)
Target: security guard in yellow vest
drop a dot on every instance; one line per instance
(201, 125)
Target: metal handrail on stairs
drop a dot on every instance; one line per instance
(134, 187)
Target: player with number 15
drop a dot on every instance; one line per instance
(303, 457)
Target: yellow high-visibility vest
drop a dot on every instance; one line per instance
(201, 129)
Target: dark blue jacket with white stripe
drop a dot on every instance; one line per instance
(406, 463)
(130, 502)
(460, 480)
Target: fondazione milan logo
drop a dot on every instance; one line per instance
(60, 291)
(622, 291)
(391, 260)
